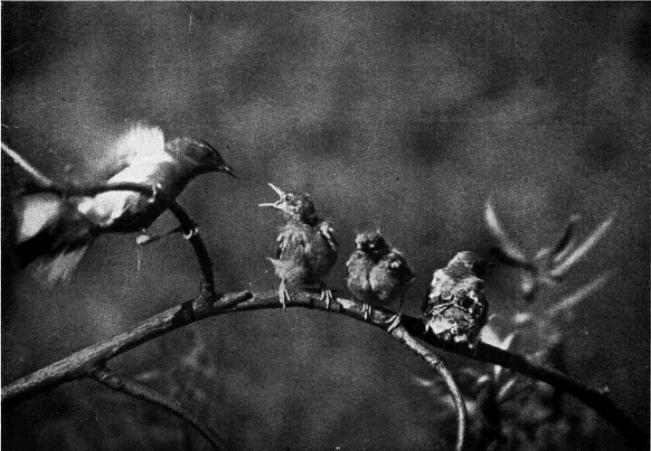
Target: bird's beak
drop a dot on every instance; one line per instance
(228, 170)
(279, 202)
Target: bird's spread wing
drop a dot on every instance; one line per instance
(140, 142)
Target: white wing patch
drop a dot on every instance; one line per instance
(141, 142)
(35, 213)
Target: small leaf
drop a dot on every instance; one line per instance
(562, 269)
(579, 295)
(507, 247)
(566, 242)
(505, 390)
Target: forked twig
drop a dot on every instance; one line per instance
(131, 388)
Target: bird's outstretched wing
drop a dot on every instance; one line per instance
(139, 144)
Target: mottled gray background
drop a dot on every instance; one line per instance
(401, 116)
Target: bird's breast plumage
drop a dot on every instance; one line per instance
(359, 268)
(305, 255)
(456, 308)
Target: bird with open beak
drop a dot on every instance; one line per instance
(307, 249)
(378, 274)
(456, 308)
(57, 231)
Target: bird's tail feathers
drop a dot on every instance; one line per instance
(60, 267)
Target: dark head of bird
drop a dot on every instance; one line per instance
(470, 261)
(296, 206)
(200, 154)
(373, 244)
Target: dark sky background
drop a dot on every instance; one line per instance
(402, 116)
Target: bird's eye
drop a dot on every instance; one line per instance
(286, 198)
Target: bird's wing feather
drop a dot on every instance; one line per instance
(36, 212)
(327, 232)
(140, 142)
(397, 264)
(440, 291)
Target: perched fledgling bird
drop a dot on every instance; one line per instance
(456, 308)
(378, 274)
(57, 231)
(307, 248)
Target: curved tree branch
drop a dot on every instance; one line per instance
(82, 363)
(106, 377)
(401, 334)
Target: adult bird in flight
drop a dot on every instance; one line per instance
(55, 232)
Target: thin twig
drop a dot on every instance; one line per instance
(79, 364)
(435, 362)
(43, 180)
(106, 377)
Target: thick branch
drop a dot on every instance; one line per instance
(105, 376)
(435, 362)
(79, 364)
(82, 363)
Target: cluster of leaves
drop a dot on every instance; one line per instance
(510, 412)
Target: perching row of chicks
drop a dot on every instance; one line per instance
(377, 273)
(57, 231)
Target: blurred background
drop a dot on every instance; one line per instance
(401, 116)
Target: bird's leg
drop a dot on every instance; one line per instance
(366, 310)
(154, 192)
(144, 239)
(394, 321)
(283, 294)
(326, 295)
(193, 231)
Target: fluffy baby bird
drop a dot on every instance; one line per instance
(57, 231)
(456, 309)
(378, 274)
(307, 249)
